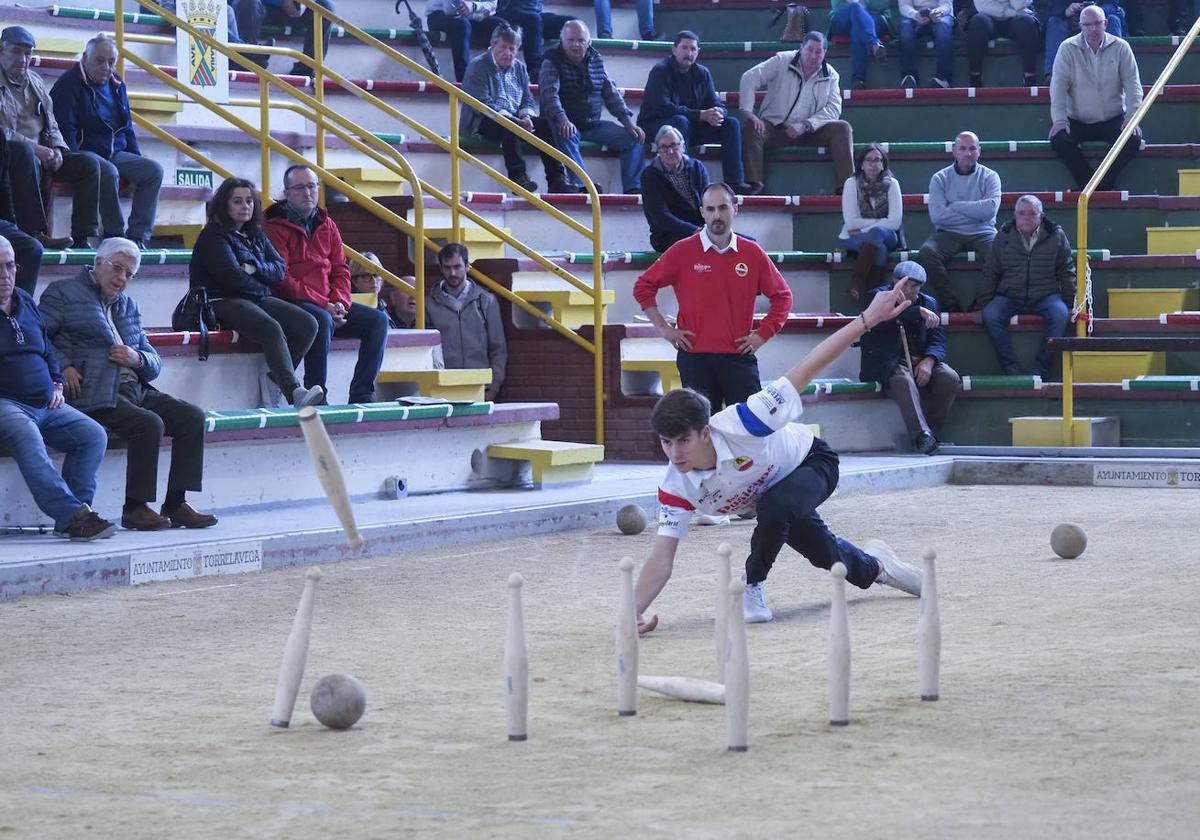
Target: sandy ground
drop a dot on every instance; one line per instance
(1069, 692)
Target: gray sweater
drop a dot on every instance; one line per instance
(964, 204)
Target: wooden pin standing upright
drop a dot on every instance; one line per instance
(627, 643)
(516, 663)
(929, 630)
(737, 674)
(839, 650)
(724, 552)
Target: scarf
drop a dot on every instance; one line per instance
(873, 197)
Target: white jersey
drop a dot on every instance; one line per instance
(757, 445)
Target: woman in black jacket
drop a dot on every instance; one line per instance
(235, 261)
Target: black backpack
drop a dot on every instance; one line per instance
(195, 314)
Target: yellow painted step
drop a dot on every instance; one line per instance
(571, 306)
(372, 180)
(483, 244)
(1172, 240)
(1150, 303)
(1189, 181)
(465, 384)
(665, 368)
(190, 231)
(1048, 431)
(552, 462)
(365, 298)
(1118, 365)
(68, 47)
(157, 109)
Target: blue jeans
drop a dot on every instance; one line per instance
(787, 514)
(942, 33)
(885, 239)
(645, 17)
(147, 176)
(25, 432)
(863, 29)
(633, 155)
(1058, 30)
(28, 252)
(369, 326)
(696, 132)
(996, 315)
(460, 33)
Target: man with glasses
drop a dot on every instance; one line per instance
(671, 189)
(317, 278)
(107, 365)
(33, 414)
(1094, 90)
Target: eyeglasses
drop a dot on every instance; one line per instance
(669, 147)
(305, 187)
(873, 160)
(126, 270)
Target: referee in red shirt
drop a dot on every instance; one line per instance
(716, 276)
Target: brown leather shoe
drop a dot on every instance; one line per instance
(185, 516)
(142, 518)
(53, 243)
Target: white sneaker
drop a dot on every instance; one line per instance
(892, 571)
(710, 519)
(303, 397)
(754, 604)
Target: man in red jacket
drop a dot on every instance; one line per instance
(716, 276)
(317, 278)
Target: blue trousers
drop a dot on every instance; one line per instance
(645, 17)
(28, 252)
(369, 326)
(942, 33)
(787, 515)
(885, 239)
(863, 29)
(147, 176)
(1000, 310)
(460, 32)
(696, 132)
(633, 154)
(25, 432)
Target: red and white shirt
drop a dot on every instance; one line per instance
(757, 445)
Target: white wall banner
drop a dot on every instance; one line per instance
(1152, 475)
(199, 66)
(184, 561)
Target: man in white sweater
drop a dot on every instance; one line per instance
(802, 106)
(1094, 89)
(1014, 19)
(963, 200)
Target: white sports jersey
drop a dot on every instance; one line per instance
(756, 447)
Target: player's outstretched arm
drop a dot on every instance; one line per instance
(884, 307)
(654, 575)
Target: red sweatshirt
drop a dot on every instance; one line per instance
(716, 291)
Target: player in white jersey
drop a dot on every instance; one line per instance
(752, 458)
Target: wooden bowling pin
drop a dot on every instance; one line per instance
(329, 472)
(295, 653)
(929, 630)
(737, 674)
(839, 650)
(627, 643)
(724, 552)
(516, 663)
(688, 689)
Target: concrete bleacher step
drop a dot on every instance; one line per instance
(1117, 365)
(1150, 303)
(552, 463)
(441, 383)
(1162, 383)
(372, 180)
(1189, 181)
(1172, 240)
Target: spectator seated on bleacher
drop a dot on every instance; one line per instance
(36, 147)
(1029, 270)
(107, 366)
(672, 186)
(1014, 19)
(27, 250)
(1094, 89)
(645, 19)
(317, 279)
(863, 23)
(34, 414)
(872, 213)
(91, 105)
(574, 87)
(907, 357)
(468, 317)
(499, 80)
(400, 306)
(1180, 15)
(460, 20)
(921, 20)
(252, 13)
(1062, 21)
(365, 279)
(681, 93)
(527, 17)
(803, 105)
(963, 200)
(239, 267)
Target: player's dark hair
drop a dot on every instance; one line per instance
(453, 249)
(679, 412)
(686, 34)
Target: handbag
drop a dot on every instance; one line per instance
(195, 314)
(796, 26)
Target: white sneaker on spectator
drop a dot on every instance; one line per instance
(894, 572)
(710, 519)
(754, 604)
(303, 397)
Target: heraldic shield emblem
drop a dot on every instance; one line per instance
(202, 58)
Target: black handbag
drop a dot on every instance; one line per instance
(195, 314)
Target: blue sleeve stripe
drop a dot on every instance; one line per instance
(750, 420)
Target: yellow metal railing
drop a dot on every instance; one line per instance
(314, 109)
(1082, 272)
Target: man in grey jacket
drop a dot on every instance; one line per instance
(1029, 270)
(107, 365)
(468, 318)
(963, 200)
(803, 105)
(1094, 89)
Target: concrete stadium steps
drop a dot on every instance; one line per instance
(176, 205)
(256, 464)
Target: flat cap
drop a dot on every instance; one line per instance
(18, 35)
(910, 269)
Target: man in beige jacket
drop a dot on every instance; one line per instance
(1094, 89)
(802, 106)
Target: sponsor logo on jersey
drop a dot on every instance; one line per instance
(742, 463)
(741, 269)
(701, 268)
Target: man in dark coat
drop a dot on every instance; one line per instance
(672, 186)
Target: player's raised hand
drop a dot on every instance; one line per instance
(887, 305)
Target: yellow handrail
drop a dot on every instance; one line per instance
(1081, 271)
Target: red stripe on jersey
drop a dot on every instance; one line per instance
(665, 498)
